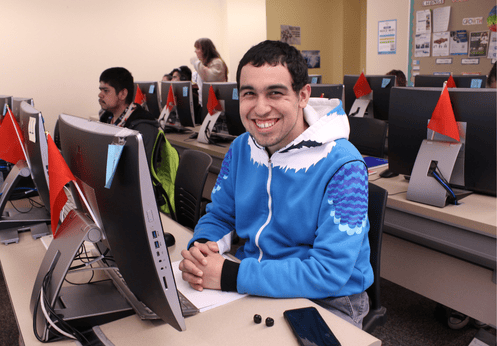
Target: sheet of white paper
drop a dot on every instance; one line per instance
(205, 300)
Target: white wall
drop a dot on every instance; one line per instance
(55, 50)
(379, 10)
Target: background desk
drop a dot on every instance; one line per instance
(446, 254)
(231, 324)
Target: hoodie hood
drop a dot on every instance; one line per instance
(327, 123)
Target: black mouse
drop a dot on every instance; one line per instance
(388, 174)
(170, 241)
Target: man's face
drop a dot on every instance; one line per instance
(110, 100)
(269, 108)
(176, 76)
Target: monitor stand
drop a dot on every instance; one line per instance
(81, 306)
(423, 187)
(11, 220)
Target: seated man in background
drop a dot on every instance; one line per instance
(294, 188)
(116, 99)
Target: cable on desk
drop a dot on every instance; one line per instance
(64, 330)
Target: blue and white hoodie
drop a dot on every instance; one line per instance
(302, 211)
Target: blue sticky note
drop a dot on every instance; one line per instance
(185, 91)
(314, 80)
(476, 83)
(151, 89)
(235, 94)
(114, 152)
(385, 82)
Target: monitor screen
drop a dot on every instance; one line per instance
(381, 86)
(35, 145)
(462, 81)
(315, 79)
(184, 113)
(330, 91)
(410, 111)
(227, 94)
(125, 207)
(151, 92)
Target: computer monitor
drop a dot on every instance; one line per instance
(315, 79)
(16, 105)
(227, 94)
(381, 86)
(330, 91)
(151, 92)
(5, 101)
(462, 81)
(125, 207)
(410, 111)
(36, 167)
(184, 115)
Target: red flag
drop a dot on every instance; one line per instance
(443, 120)
(59, 175)
(11, 140)
(171, 102)
(451, 83)
(361, 87)
(213, 104)
(140, 97)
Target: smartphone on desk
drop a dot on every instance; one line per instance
(309, 327)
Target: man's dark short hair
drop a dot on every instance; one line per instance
(186, 73)
(119, 78)
(275, 53)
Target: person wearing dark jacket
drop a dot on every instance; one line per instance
(116, 99)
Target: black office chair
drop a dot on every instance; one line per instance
(368, 135)
(376, 213)
(189, 185)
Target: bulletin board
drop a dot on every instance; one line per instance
(437, 32)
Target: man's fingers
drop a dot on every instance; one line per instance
(190, 267)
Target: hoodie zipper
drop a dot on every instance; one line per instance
(269, 202)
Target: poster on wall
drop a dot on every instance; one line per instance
(440, 43)
(290, 34)
(387, 37)
(312, 57)
(422, 45)
(492, 46)
(478, 43)
(459, 42)
(423, 22)
(441, 17)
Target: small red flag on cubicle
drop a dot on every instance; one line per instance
(59, 175)
(213, 104)
(361, 87)
(11, 139)
(443, 120)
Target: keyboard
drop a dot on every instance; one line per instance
(143, 311)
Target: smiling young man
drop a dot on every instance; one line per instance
(294, 188)
(116, 99)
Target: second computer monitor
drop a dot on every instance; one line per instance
(315, 79)
(182, 91)
(381, 86)
(16, 105)
(36, 149)
(329, 91)
(412, 108)
(462, 81)
(227, 92)
(151, 92)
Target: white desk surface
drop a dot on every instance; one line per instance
(231, 324)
